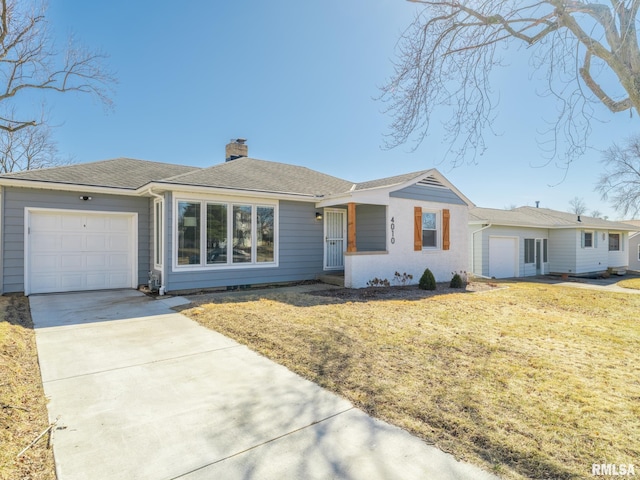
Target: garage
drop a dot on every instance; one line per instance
(70, 251)
(503, 257)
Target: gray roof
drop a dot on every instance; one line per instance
(260, 175)
(125, 173)
(244, 174)
(542, 218)
(390, 181)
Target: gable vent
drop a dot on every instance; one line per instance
(431, 181)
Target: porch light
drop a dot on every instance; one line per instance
(318, 216)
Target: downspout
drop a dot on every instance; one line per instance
(473, 249)
(163, 287)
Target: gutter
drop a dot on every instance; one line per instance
(473, 249)
(163, 287)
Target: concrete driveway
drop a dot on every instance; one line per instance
(142, 392)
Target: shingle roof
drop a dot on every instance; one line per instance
(390, 181)
(125, 173)
(542, 218)
(260, 175)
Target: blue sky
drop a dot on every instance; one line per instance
(298, 80)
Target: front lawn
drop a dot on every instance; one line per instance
(633, 283)
(23, 408)
(531, 381)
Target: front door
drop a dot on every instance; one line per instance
(335, 238)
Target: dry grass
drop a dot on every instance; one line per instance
(633, 283)
(23, 412)
(532, 381)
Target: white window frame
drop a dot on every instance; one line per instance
(438, 245)
(158, 233)
(584, 239)
(230, 203)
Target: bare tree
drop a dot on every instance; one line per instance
(446, 56)
(29, 148)
(32, 64)
(596, 213)
(620, 182)
(578, 206)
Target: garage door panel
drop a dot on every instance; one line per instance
(118, 225)
(97, 242)
(71, 261)
(69, 242)
(72, 222)
(119, 261)
(71, 251)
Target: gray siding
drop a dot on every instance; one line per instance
(371, 223)
(16, 199)
(428, 194)
(300, 254)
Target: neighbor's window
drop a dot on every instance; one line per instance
(529, 250)
(188, 233)
(218, 234)
(429, 230)
(587, 240)
(614, 242)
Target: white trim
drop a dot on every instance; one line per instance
(133, 217)
(158, 246)
(230, 202)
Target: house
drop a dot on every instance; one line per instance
(634, 246)
(529, 241)
(123, 222)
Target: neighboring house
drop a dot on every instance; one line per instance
(529, 241)
(116, 223)
(634, 246)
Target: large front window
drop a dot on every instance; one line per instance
(223, 234)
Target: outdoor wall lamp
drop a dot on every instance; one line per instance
(318, 216)
(85, 197)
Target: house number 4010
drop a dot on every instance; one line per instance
(393, 228)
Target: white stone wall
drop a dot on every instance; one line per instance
(400, 257)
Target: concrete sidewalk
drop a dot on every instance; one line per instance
(142, 392)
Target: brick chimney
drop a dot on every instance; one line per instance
(237, 148)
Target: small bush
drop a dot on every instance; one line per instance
(378, 282)
(456, 281)
(427, 281)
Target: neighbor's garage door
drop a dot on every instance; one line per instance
(503, 255)
(71, 251)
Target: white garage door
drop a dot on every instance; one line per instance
(503, 257)
(71, 251)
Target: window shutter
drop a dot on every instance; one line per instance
(417, 228)
(445, 229)
(582, 239)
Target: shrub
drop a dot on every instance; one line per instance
(427, 281)
(456, 281)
